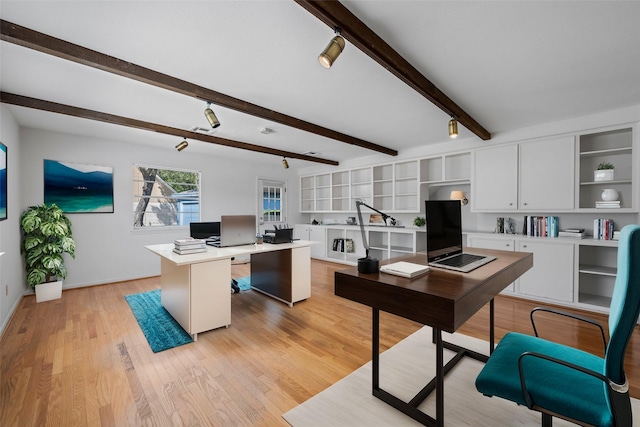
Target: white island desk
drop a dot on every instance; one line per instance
(196, 288)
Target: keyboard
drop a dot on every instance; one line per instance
(460, 260)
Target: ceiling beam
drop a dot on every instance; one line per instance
(44, 43)
(39, 104)
(334, 14)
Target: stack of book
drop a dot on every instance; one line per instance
(540, 226)
(189, 246)
(576, 233)
(601, 204)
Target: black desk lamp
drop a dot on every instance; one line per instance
(368, 264)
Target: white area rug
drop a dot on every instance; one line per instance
(404, 370)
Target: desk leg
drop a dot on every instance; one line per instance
(375, 347)
(492, 335)
(439, 379)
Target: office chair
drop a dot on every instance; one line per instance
(564, 382)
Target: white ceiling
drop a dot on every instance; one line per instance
(508, 64)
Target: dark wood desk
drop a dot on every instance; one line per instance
(441, 299)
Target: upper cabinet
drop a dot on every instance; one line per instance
(614, 147)
(441, 174)
(530, 176)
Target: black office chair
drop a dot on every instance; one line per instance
(564, 382)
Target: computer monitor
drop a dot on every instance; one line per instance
(204, 230)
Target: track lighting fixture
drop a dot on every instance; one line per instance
(184, 144)
(285, 164)
(459, 195)
(211, 117)
(453, 128)
(332, 51)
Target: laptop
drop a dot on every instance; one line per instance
(444, 238)
(236, 230)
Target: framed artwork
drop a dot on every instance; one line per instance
(3, 181)
(78, 187)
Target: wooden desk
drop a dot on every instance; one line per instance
(196, 288)
(441, 299)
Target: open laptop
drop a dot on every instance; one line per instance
(236, 230)
(444, 238)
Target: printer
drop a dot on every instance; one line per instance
(278, 235)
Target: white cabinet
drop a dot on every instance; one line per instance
(547, 174)
(314, 233)
(441, 174)
(530, 176)
(551, 277)
(499, 243)
(494, 186)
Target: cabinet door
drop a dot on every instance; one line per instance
(547, 174)
(502, 244)
(494, 186)
(318, 250)
(552, 274)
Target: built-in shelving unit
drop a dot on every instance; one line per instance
(406, 186)
(615, 147)
(340, 191)
(383, 187)
(441, 174)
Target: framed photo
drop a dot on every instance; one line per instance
(78, 187)
(3, 181)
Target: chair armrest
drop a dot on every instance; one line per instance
(571, 315)
(525, 392)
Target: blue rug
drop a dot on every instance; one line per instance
(244, 283)
(160, 329)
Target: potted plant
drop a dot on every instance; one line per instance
(419, 221)
(46, 236)
(604, 172)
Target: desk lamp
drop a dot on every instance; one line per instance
(368, 264)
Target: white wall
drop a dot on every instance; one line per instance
(11, 271)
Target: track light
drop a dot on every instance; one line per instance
(453, 128)
(211, 117)
(332, 51)
(459, 195)
(184, 144)
(285, 164)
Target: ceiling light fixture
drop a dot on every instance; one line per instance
(211, 117)
(453, 128)
(184, 144)
(332, 51)
(285, 164)
(459, 195)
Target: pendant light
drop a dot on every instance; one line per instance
(453, 128)
(211, 117)
(184, 144)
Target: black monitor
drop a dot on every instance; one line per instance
(204, 230)
(444, 228)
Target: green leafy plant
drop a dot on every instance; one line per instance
(46, 235)
(419, 222)
(605, 166)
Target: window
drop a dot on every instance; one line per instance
(272, 201)
(165, 197)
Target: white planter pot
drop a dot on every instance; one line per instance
(49, 291)
(603, 175)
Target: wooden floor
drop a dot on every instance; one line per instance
(84, 361)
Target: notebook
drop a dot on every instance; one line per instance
(405, 269)
(444, 238)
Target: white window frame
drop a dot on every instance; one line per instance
(274, 183)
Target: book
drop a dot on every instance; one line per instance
(405, 269)
(189, 251)
(189, 241)
(572, 235)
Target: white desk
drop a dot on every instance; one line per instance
(196, 288)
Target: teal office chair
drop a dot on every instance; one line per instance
(564, 382)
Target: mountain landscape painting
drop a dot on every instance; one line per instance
(78, 187)
(3, 181)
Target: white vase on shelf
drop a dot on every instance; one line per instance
(609, 194)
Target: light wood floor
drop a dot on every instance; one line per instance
(84, 361)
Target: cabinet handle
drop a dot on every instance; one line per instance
(510, 204)
(524, 246)
(507, 245)
(525, 203)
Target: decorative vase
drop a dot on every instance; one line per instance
(603, 175)
(609, 195)
(49, 291)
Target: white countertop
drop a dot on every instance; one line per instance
(166, 251)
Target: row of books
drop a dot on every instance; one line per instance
(603, 229)
(540, 226)
(189, 245)
(343, 245)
